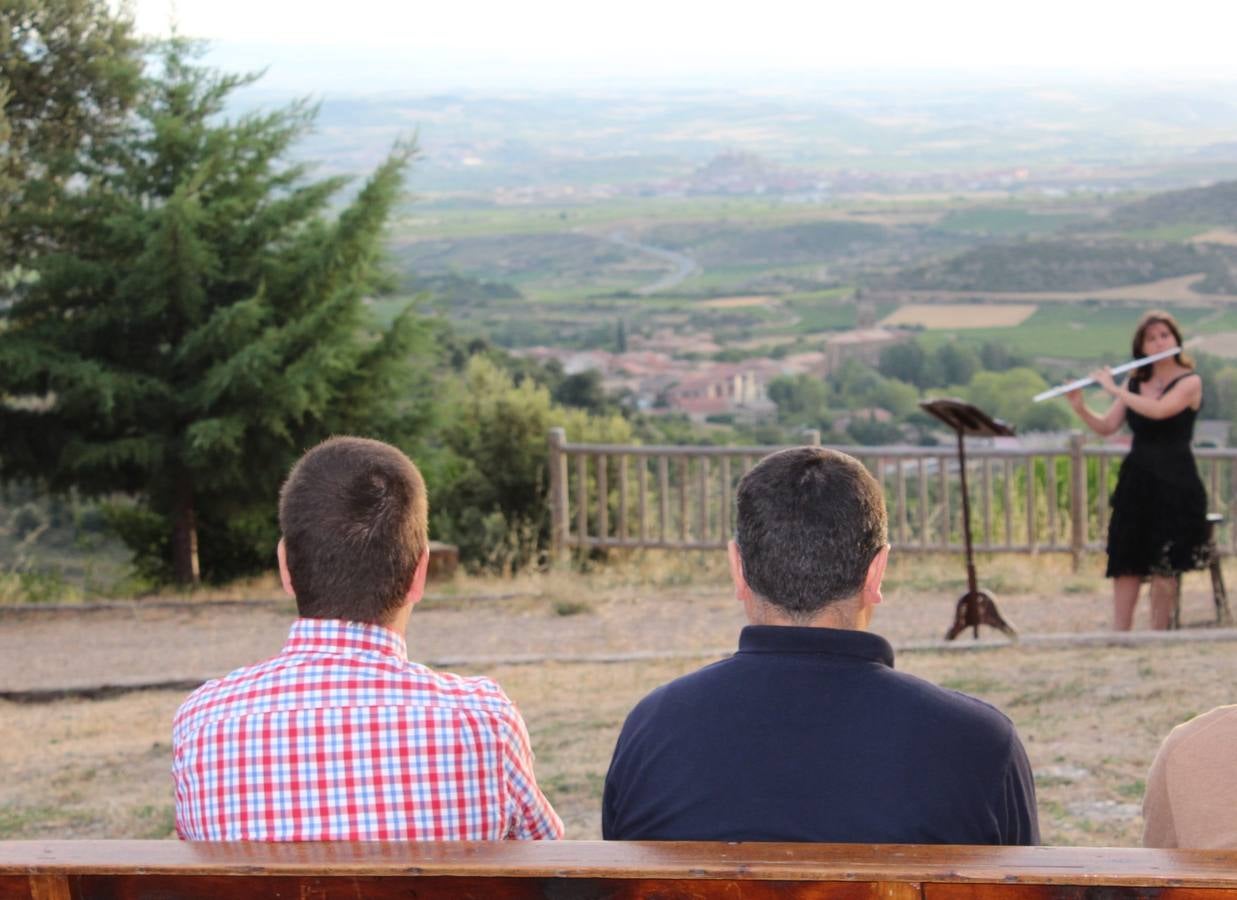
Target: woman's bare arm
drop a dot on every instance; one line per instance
(1102, 424)
(1188, 392)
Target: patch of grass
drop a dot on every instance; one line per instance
(1067, 330)
(587, 783)
(940, 582)
(570, 607)
(17, 821)
(1006, 583)
(973, 684)
(823, 311)
(1052, 693)
(1005, 221)
(38, 585)
(1133, 790)
(1047, 781)
(1176, 232)
(1056, 811)
(155, 822)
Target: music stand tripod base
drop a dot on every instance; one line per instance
(975, 607)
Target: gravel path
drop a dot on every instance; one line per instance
(133, 644)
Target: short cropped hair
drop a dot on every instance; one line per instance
(353, 513)
(810, 522)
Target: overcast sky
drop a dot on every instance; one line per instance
(452, 41)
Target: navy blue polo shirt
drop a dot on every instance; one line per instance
(809, 734)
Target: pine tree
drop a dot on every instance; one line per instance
(7, 181)
(202, 322)
(69, 75)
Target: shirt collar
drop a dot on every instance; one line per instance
(341, 636)
(798, 639)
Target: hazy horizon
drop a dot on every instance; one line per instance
(350, 70)
(365, 45)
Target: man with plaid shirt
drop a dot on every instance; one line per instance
(340, 737)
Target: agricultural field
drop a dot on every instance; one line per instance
(1085, 331)
(1216, 236)
(747, 272)
(1221, 343)
(741, 302)
(949, 316)
(1009, 221)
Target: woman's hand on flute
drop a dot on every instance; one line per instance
(1103, 377)
(1075, 400)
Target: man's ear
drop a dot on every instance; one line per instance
(742, 591)
(285, 577)
(876, 573)
(417, 589)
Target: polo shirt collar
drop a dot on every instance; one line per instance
(798, 639)
(341, 636)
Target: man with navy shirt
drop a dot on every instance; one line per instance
(807, 733)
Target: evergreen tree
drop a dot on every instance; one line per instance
(7, 181)
(69, 75)
(200, 322)
(583, 390)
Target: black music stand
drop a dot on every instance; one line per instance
(975, 607)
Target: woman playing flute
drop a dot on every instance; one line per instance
(1158, 527)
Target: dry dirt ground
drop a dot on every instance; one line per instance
(577, 651)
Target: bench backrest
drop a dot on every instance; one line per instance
(127, 870)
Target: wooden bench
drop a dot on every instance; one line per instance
(576, 870)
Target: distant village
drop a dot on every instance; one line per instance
(659, 377)
(739, 174)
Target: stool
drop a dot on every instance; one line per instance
(1224, 615)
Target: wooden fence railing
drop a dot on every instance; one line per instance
(1022, 500)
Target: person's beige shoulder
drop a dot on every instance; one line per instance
(1191, 798)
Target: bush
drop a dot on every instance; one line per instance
(489, 477)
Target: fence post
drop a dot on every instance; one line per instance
(558, 493)
(1077, 499)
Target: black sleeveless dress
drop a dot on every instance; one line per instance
(1159, 506)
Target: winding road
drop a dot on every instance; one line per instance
(684, 266)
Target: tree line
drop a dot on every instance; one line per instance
(991, 376)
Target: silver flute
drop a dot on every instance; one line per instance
(1116, 370)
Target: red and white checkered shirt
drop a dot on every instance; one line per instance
(341, 738)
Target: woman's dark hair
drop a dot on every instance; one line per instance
(1142, 373)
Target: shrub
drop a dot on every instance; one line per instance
(489, 478)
